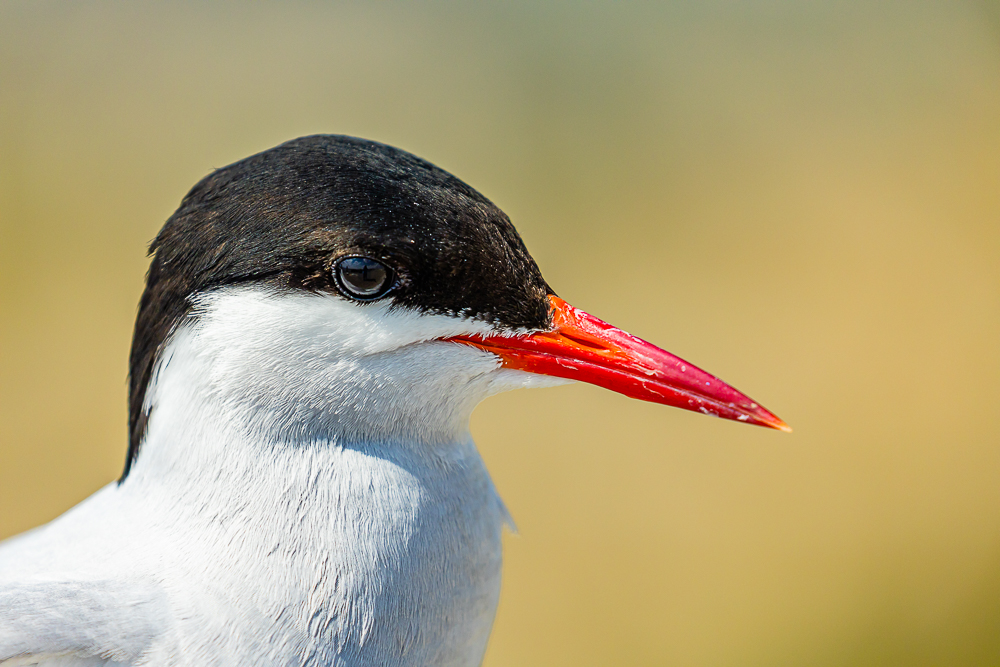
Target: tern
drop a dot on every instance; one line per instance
(301, 487)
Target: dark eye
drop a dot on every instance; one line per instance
(363, 278)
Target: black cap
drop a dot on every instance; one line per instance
(285, 217)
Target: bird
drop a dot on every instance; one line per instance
(301, 486)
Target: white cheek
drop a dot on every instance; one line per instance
(303, 365)
(318, 323)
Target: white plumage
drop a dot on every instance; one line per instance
(308, 491)
(318, 323)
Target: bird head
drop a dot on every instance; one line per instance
(337, 287)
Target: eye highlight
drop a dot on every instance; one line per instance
(362, 278)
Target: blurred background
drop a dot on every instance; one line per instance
(801, 197)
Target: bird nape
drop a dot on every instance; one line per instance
(318, 323)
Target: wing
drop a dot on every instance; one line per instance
(69, 622)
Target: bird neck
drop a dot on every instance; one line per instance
(393, 541)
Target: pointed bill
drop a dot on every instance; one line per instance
(582, 347)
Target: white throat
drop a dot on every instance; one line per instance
(315, 458)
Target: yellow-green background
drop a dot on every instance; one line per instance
(801, 197)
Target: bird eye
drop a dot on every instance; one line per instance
(363, 278)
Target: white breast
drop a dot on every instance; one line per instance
(307, 493)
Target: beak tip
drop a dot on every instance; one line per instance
(780, 426)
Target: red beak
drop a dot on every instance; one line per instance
(582, 347)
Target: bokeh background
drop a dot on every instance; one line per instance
(801, 197)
